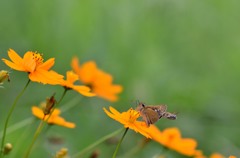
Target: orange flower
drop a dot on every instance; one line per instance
(34, 65)
(171, 138)
(99, 81)
(68, 83)
(54, 118)
(129, 120)
(231, 156)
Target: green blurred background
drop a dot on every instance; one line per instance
(183, 53)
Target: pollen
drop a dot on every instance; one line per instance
(133, 115)
(38, 58)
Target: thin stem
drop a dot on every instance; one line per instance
(41, 125)
(9, 116)
(119, 143)
(88, 148)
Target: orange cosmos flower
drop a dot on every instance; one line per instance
(34, 65)
(68, 83)
(231, 156)
(129, 120)
(98, 80)
(171, 138)
(54, 118)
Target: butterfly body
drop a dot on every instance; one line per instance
(152, 114)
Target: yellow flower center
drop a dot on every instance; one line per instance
(133, 115)
(37, 57)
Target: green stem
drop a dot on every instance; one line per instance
(41, 125)
(79, 154)
(9, 116)
(120, 142)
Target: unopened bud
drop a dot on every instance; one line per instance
(62, 153)
(49, 105)
(4, 75)
(7, 148)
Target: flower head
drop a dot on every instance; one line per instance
(171, 138)
(98, 80)
(33, 64)
(54, 118)
(68, 83)
(129, 120)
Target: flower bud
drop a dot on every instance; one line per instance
(7, 148)
(4, 75)
(62, 153)
(49, 105)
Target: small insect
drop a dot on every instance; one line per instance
(152, 114)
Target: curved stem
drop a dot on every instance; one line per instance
(88, 148)
(9, 116)
(41, 125)
(120, 142)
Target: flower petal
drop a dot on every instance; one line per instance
(84, 90)
(47, 64)
(36, 111)
(28, 62)
(13, 65)
(61, 122)
(15, 57)
(46, 77)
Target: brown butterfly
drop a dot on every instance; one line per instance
(152, 114)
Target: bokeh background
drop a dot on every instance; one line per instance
(183, 53)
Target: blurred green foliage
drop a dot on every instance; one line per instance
(182, 53)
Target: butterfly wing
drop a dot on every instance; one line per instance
(160, 109)
(150, 116)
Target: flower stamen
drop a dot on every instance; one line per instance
(38, 58)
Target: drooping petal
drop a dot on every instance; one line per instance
(84, 90)
(46, 77)
(62, 122)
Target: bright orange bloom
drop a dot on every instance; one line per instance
(54, 118)
(99, 81)
(34, 65)
(129, 120)
(68, 83)
(231, 156)
(171, 138)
